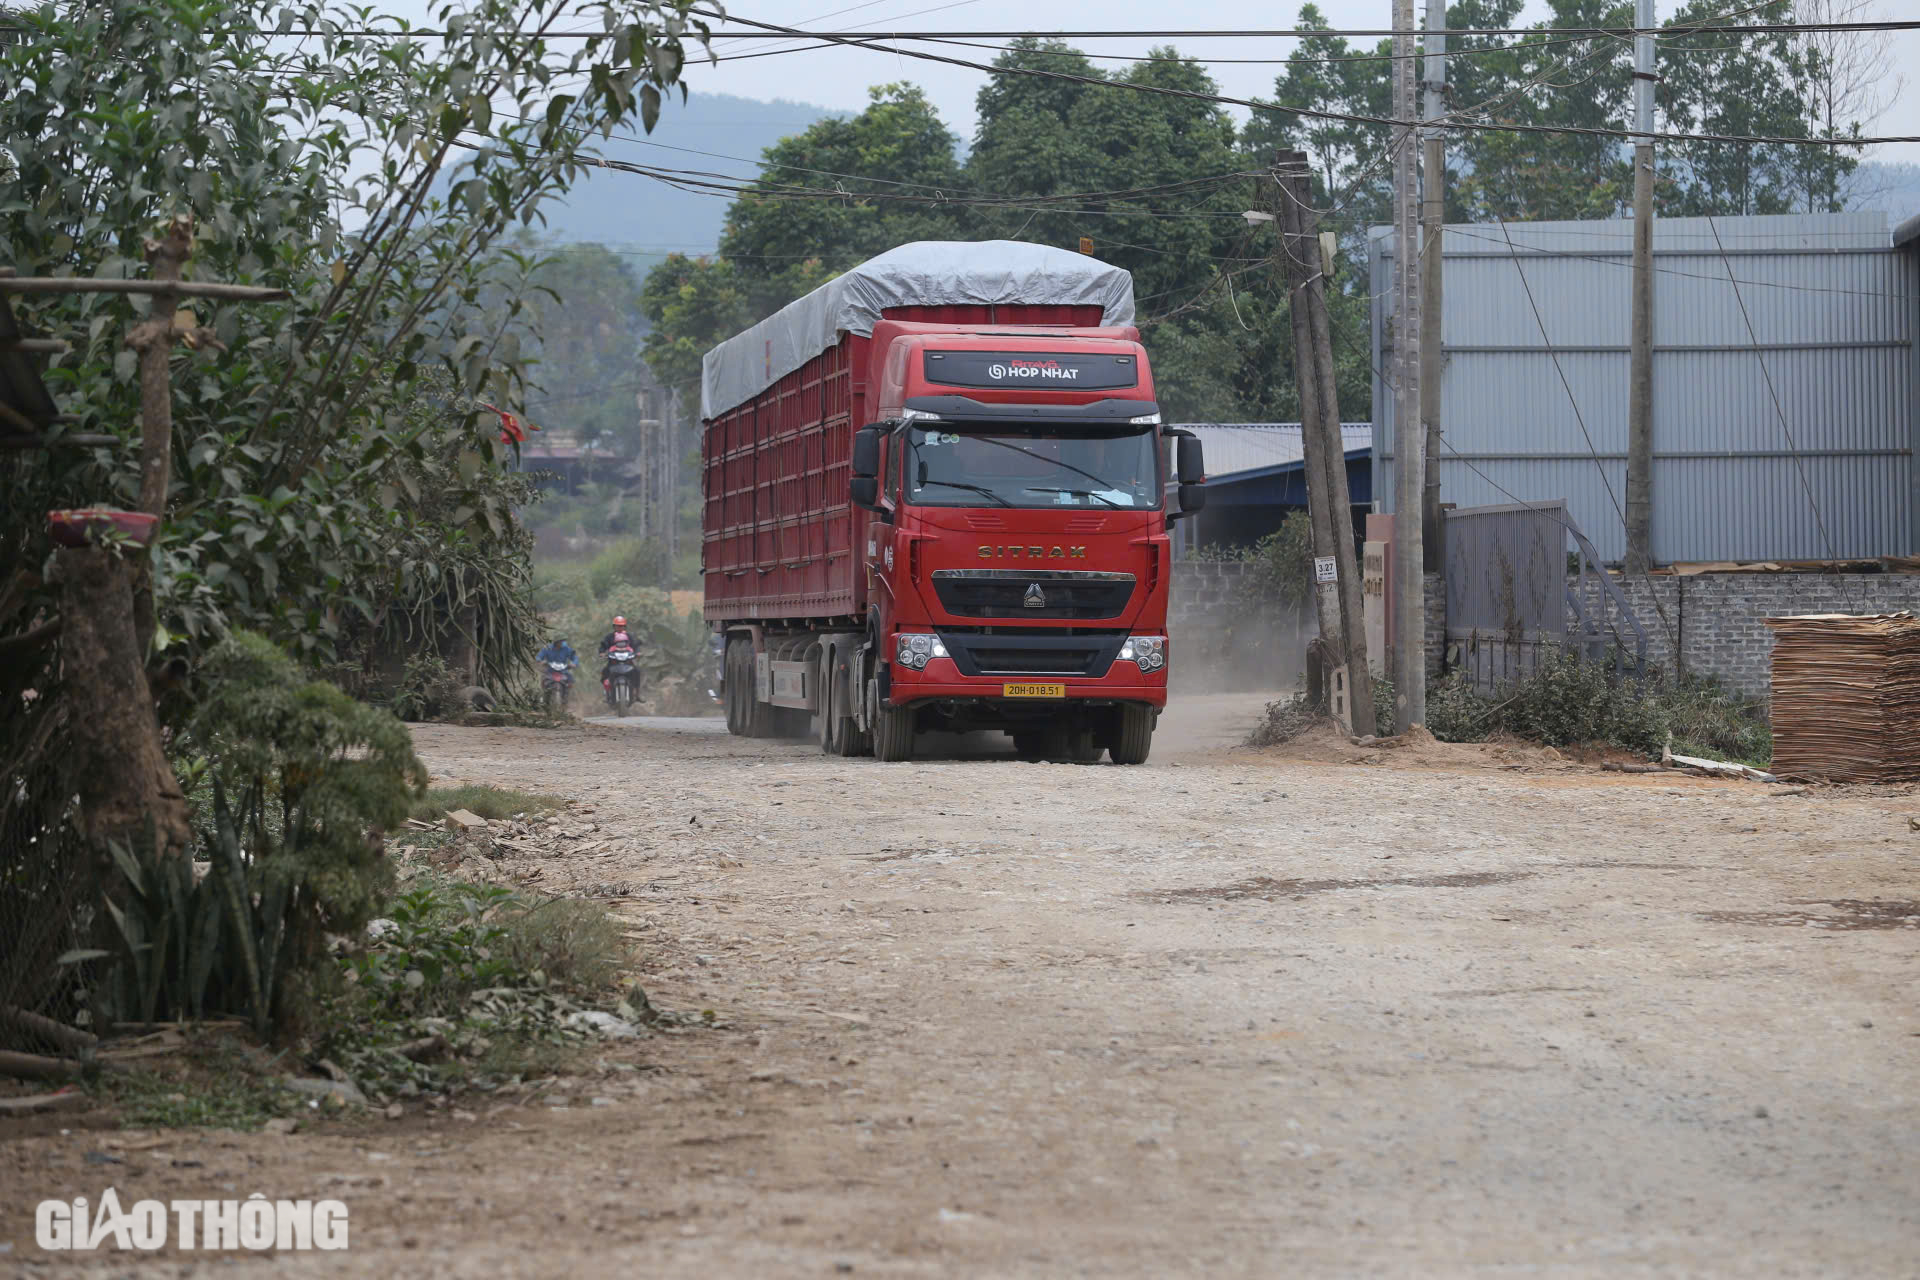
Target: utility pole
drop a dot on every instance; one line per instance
(1433, 217)
(1409, 441)
(1323, 455)
(1640, 378)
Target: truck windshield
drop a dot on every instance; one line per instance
(1028, 467)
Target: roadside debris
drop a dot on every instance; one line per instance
(463, 821)
(1718, 768)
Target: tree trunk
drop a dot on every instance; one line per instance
(119, 766)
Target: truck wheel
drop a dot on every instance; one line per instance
(739, 688)
(1073, 746)
(892, 727)
(747, 716)
(839, 734)
(1030, 746)
(1133, 738)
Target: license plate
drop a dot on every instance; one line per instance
(1033, 691)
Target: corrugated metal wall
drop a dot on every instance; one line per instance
(1833, 308)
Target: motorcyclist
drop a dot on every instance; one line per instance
(558, 650)
(619, 635)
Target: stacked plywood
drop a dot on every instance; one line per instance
(1846, 697)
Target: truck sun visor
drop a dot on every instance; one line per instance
(1047, 370)
(926, 273)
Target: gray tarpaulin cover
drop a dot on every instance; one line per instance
(928, 273)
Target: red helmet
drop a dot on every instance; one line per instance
(619, 622)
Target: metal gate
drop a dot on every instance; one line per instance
(1509, 599)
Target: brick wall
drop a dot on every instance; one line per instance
(1719, 619)
(1223, 644)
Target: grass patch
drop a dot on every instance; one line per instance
(212, 1084)
(491, 803)
(498, 980)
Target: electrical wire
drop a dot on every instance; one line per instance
(1616, 261)
(1519, 46)
(1572, 399)
(1773, 394)
(1449, 122)
(1187, 33)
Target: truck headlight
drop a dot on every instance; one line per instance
(917, 650)
(1148, 652)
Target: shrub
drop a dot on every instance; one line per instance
(1284, 721)
(572, 944)
(292, 783)
(1567, 702)
(630, 560)
(499, 979)
(428, 689)
(1280, 565)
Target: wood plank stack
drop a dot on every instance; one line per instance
(1846, 697)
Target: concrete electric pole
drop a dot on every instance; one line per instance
(1433, 216)
(1337, 593)
(1409, 440)
(1640, 379)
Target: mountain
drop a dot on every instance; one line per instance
(714, 133)
(1892, 187)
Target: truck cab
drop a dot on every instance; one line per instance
(1017, 560)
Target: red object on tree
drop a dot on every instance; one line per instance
(80, 528)
(511, 430)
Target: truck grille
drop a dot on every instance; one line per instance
(1032, 593)
(1017, 654)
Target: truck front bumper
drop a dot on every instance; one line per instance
(942, 680)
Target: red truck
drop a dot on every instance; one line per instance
(935, 498)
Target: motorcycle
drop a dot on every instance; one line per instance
(622, 681)
(556, 685)
(717, 663)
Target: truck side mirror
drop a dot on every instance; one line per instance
(1193, 497)
(866, 492)
(1193, 465)
(866, 454)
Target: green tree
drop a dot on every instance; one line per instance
(1543, 81)
(588, 324)
(1326, 73)
(890, 171)
(692, 304)
(1748, 85)
(310, 168)
(1154, 180)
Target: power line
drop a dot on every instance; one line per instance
(1190, 33)
(1519, 46)
(1693, 275)
(1568, 386)
(1773, 394)
(1451, 122)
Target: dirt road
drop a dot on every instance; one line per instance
(1323, 1012)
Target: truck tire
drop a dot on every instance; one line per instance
(1133, 736)
(1069, 745)
(839, 734)
(892, 727)
(747, 716)
(1030, 745)
(736, 684)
